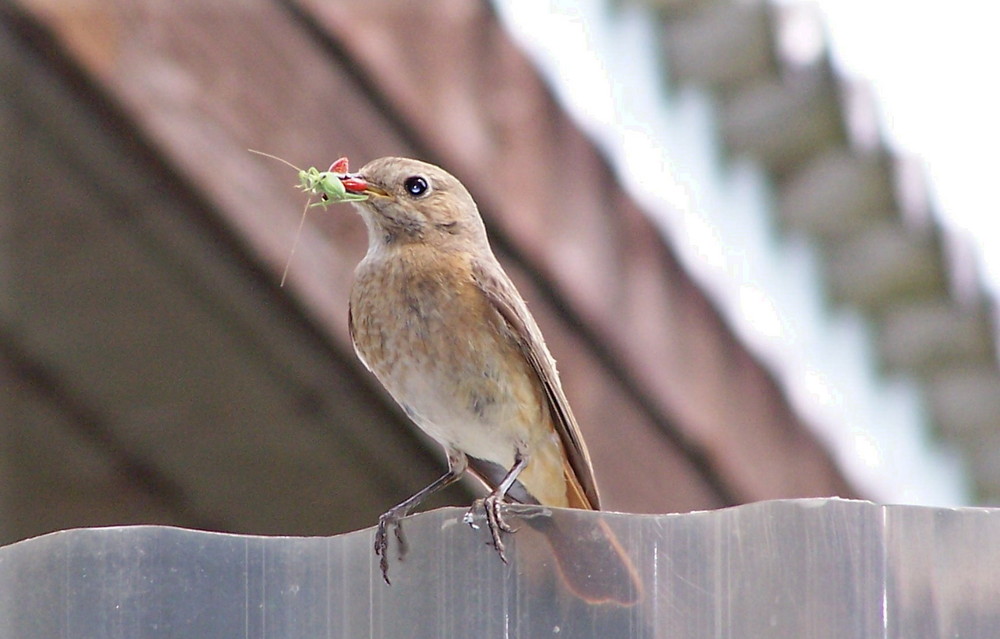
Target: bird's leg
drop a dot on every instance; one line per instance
(495, 500)
(457, 464)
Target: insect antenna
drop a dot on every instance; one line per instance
(295, 242)
(275, 157)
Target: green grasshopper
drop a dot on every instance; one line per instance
(329, 185)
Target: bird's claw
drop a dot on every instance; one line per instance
(394, 519)
(497, 523)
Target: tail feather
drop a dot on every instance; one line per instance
(575, 495)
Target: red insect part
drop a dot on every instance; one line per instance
(354, 185)
(340, 166)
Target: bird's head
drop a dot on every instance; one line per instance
(413, 201)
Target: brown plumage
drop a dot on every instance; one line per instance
(438, 321)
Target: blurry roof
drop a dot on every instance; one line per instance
(156, 372)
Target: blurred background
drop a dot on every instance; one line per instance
(748, 281)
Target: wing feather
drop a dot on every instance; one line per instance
(502, 295)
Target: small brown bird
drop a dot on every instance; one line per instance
(438, 321)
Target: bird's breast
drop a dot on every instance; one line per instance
(421, 324)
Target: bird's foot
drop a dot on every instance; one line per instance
(394, 519)
(493, 506)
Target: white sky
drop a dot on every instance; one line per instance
(933, 67)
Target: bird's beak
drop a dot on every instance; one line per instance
(355, 183)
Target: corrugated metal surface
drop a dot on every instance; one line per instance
(804, 569)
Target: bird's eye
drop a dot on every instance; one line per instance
(415, 186)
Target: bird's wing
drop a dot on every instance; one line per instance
(502, 295)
